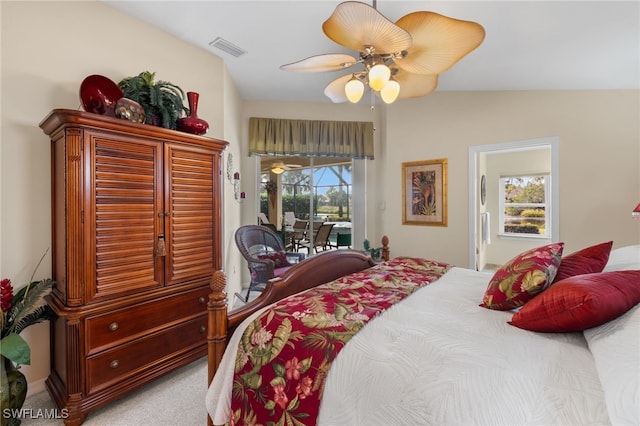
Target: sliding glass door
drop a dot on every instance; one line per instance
(312, 189)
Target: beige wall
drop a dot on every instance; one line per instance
(49, 47)
(599, 134)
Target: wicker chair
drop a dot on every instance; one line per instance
(265, 254)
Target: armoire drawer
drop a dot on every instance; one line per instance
(135, 357)
(117, 327)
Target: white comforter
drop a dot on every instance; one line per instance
(438, 358)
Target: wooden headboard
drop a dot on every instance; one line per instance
(319, 269)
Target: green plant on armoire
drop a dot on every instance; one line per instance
(163, 102)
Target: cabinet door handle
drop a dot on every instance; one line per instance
(201, 300)
(113, 326)
(114, 364)
(203, 329)
(161, 249)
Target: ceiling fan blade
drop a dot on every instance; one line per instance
(319, 63)
(438, 42)
(415, 85)
(356, 25)
(335, 89)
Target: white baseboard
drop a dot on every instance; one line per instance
(35, 387)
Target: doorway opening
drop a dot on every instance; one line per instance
(488, 167)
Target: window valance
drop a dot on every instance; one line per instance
(310, 138)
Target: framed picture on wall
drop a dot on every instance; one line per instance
(424, 192)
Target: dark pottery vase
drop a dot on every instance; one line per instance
(13, 393)
(129, 110)
(193, 124)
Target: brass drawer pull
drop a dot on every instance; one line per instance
(201, 300)
(114, 364)
(113, 326)
(203, 329)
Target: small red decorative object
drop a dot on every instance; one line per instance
(6, 295)
(193, 124)
(99, 95)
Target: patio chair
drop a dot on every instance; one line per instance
(299, 233)
(320, 238)
(265, 254)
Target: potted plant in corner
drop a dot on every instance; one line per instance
(18, 311)
(272, 189)
(163, 102)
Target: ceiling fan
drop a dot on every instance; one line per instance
(280, 167)
(401, 60)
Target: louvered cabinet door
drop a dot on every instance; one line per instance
(123, 224)
(192, 211)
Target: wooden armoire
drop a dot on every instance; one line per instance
(136, 231)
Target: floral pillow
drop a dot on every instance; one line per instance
(521, 278)
(586, 261)
(279, 258)
(581, 302)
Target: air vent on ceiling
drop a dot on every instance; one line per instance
(227, 47)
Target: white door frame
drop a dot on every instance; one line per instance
(553, 143)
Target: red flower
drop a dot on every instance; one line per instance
(304, 387)
(293, 367)
(280, 397)
(6, 294)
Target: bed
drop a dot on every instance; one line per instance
(438, 357)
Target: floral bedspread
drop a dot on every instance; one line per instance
(285, 353)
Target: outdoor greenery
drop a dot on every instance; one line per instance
(524, 219)
(300, 206)
(290, 203)
(521, 190)
(522, 229)
(331, 202)
(532, 213)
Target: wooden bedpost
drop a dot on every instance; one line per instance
(217, 325)
(385, 247)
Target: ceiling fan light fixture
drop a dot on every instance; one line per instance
(419, 46)
(379, 76)
(277, 170)
(354, 90)
(390, 91)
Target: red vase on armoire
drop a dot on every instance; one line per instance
(192, 124)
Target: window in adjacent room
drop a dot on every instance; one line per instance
(524, 206)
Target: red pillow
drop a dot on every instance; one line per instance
(586, 261)
(279, 258)
(581, 302)
(521, 278)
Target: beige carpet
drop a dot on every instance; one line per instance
(175, 399)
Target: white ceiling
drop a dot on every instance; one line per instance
(529, 45)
